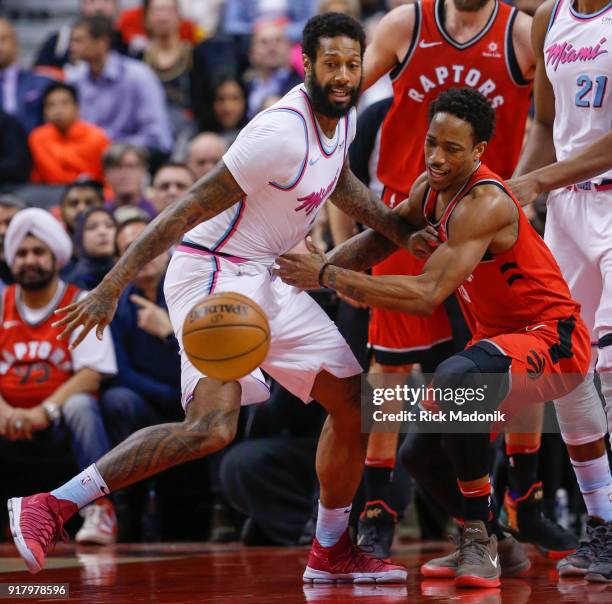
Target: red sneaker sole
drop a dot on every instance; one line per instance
(474, 581)
(312, 575)
(438, 573)
(555, 554)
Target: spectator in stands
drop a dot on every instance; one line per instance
(47, 391)
(171, 59)
(169, 183)
(272, 72)
(9, 206)
(127, 213)
(65, 148)
(20, 89)
(229, 107)
(126, 172)
(79, 195)
(95, 246)
(132, 25)
(346, 7)
(15, 159)
(147, 388)
(206, 14)
(54, 53)
(241, 16)
(117, 93)
(205, 152)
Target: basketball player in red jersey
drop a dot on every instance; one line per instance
(506, 275)
(428, 47)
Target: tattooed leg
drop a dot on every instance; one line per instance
(210, 425)
(342, 447)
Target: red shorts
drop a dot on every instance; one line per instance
(549, 360)
(397, 338)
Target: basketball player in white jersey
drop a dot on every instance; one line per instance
(573, 42)
(593, 160)
(257, 204)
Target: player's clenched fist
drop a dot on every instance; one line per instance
(424, 242)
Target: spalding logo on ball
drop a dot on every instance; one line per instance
(226, 336)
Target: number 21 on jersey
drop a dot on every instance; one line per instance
(591, 94)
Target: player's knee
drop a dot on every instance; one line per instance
(212, 431)
(223, 434)
(345, 399)
(480, 368)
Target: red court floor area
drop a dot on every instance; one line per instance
(192, 573)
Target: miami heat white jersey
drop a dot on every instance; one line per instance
(287, 168)
(578, 59)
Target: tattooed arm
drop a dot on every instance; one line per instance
(211, 195)
(355, 199)
(374, 245)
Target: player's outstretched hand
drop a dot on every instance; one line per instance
(423, 243)
(302, 270)
(524, 188)
(95, 310)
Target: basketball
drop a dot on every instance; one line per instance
(226, 336)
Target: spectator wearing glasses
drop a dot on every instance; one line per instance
(169, 183)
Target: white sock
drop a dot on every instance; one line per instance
(331, 524)
(595, 482)
(83, 488)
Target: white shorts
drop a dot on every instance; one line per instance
(579, 234)
(304, 341)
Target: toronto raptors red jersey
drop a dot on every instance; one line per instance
(434, 63)
(33, 363)
(516, 289)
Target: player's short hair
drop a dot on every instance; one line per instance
(54, 86)
(330, 25)
(469, 105)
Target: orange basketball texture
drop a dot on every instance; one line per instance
(226, 336)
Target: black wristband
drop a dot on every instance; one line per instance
(320, 279)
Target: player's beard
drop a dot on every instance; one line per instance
(34, 279)
(321, 103)
(469, 6)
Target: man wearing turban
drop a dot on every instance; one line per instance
(48, 392)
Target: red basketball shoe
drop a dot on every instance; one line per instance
(345, 562)
(36, 523)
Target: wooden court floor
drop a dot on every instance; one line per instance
(190, 573)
